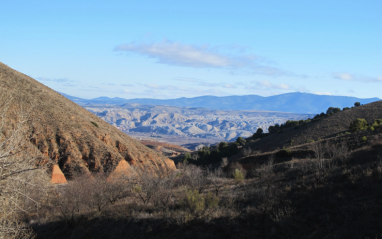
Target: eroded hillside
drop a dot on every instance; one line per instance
(190, 122)
(71, 136)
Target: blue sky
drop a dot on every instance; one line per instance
(170, 49)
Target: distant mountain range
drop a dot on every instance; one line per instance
(297, 102)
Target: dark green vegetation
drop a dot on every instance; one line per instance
(95, 124)
(361, 124)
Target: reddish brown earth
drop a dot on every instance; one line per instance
(57, 176)
(64, 133)
(170, 150)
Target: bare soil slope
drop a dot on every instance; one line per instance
(325, 128)
(71, 136)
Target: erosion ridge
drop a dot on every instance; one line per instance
(72, 137)
(220, 125)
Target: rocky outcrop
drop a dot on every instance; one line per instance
(75, 140)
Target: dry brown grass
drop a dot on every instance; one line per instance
(63, 131)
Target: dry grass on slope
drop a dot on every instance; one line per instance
(75, 139)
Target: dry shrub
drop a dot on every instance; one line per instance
(192, 176)
(246, 151)
(22, 186)
(216, 177)
(155, 187)
(265, 172)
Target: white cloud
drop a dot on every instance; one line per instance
(228, 86)
(322, 93)
(203, 56)
(269, 85)
(161, 89)
(208, 84)
(128, 85)
(188, 80)
(353, 77)
(153, 86)
(174, 53)
(57, 80)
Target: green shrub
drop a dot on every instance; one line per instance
(291, 142)
(187, 157)
(222, 145)
(363, 139)
(212, 201)
(358, 124)
(238, 175)
(240, 141)
(95, 124)
(370, 128)
(333, 110)
(283, 153)
(194, 201)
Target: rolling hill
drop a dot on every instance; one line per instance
(325, 128)
(297, 102)
(68, 135)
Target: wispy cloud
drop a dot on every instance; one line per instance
(269, 85)
(322, 93)
(160, 89)
(353, 77)
(57, 80)
(204, 56)
(188, 80)
(207, 84)
(229, 86)
(128, 85)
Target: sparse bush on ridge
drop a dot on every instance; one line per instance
(94, 123)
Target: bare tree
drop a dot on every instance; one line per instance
(265, 172)
(146, 187)
(70, 200)
(165, 189)
(19, 175)
(321, 165)
(193, 177)
(216, 177)
(224, 162)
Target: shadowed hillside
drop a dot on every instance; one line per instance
(71, 136)
(327, 127)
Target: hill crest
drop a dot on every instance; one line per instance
(71, 136)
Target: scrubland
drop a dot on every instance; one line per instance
(326, 189)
